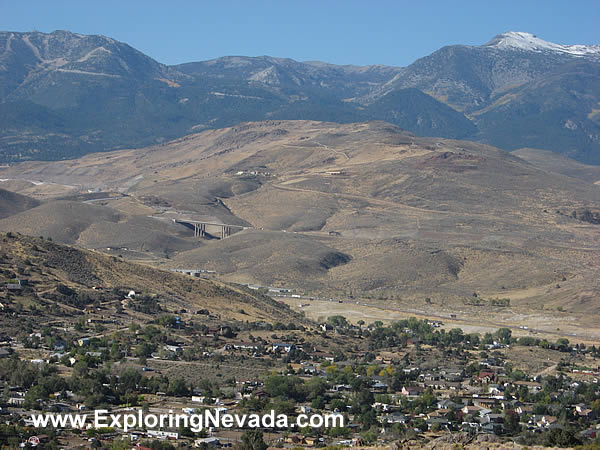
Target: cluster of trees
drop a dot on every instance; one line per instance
(294, 388)
(476, 300)
(504, 302)
(399, 333)
(146, 304)
(11, 436)
(95, 386)
(77, 298)
(587, 216)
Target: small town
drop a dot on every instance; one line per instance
(411, 381)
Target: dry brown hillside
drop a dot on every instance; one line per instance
(43, 265)
(100, 227)
(13, 203)
(361, 209)
(553, 162)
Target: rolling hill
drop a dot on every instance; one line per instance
(553, 162)
(100, 227)
(364, 208)
(44, 265)
(13, 203)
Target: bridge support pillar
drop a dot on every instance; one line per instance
(199, 229)
(225, 231)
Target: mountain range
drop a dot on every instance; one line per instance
(63, 95)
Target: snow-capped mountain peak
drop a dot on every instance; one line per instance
(517, 40)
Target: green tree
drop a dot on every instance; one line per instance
(178, 387)
(511, 422)
(563, 344)
(318, 403)
(503, 335)
(35, 394)
(337, 321)
(253, 440)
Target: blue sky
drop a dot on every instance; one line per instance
(341, 32)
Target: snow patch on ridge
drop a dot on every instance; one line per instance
(516, 40)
